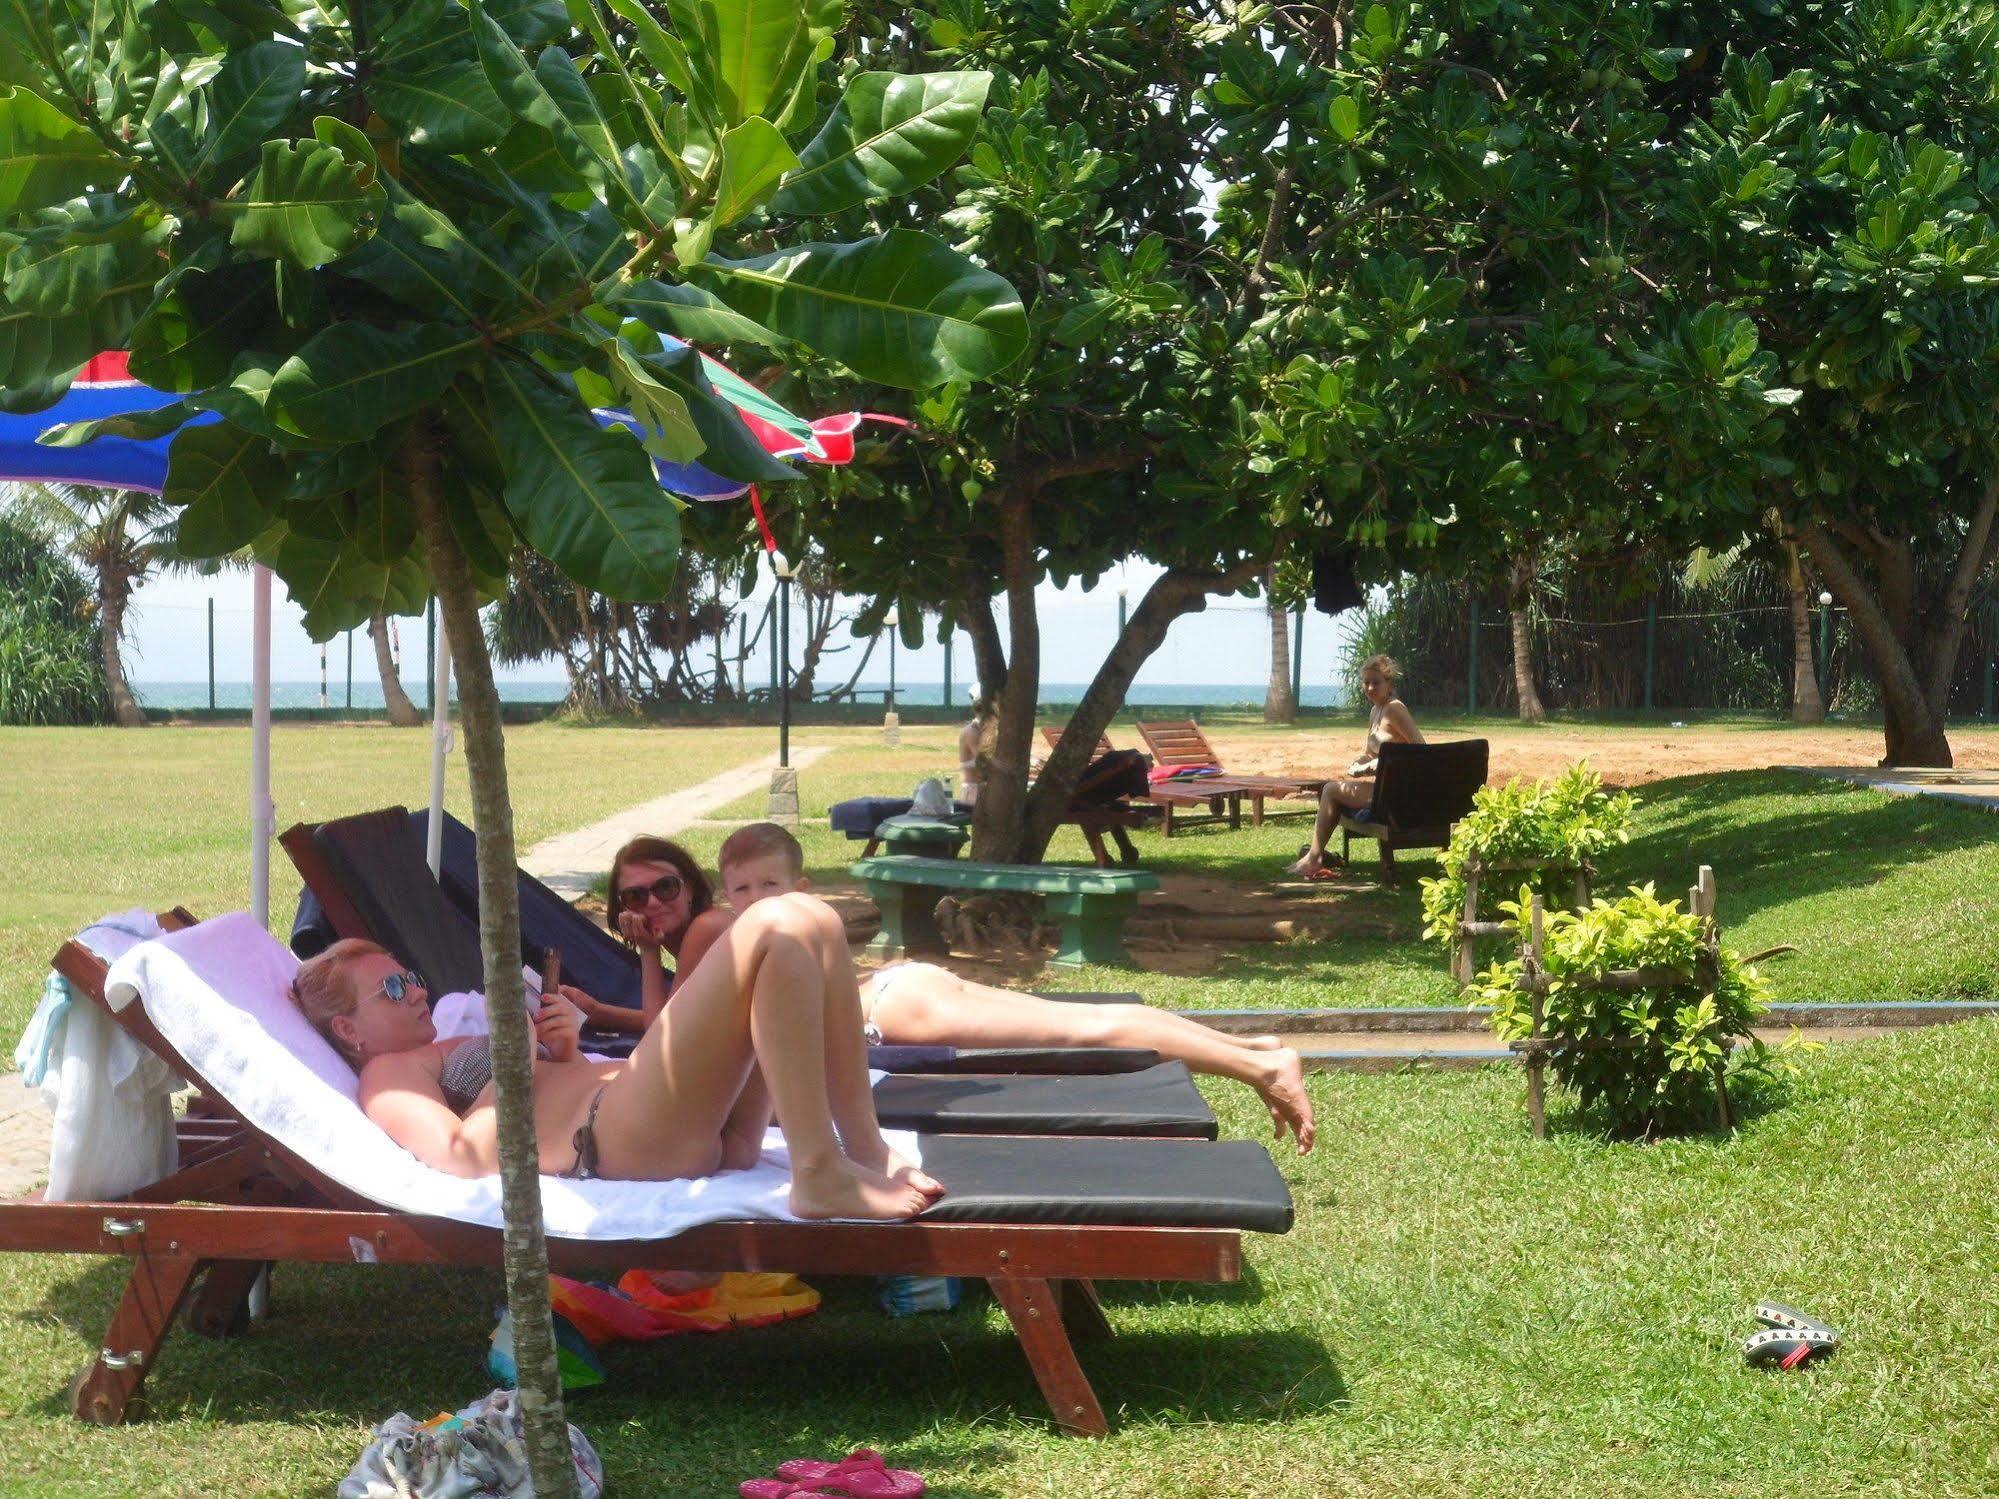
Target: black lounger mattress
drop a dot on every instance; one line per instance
(1160, 1101)
(1152, 1183)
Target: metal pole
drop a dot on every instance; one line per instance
(1651, 645)
(784, 672)
(891, 669)
(263, 811)
(1297, 655)
(1471, 676)
(440, 743)
(770, 624)
(211, 655)
(350, 671)
(742, 651)
(1825, 652)
(322, 675)
(947, 667)
(1987, 711)
(1120, 613)
(430, 651)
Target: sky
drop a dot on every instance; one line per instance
(1228, 644)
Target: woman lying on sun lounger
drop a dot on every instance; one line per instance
(772, 1020)
(1389, 721)
(662, 906)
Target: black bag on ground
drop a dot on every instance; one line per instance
(1113, 776)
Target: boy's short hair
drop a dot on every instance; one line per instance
(755, 841)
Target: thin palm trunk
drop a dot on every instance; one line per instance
(1529, 697)
(1807, 703)
(1279, 705)
(525, 1256)
(402, 712)
(112, 593)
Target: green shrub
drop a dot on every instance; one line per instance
(1569, 819)
(1683, 1035)
(51, 665)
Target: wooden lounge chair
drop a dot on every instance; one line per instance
(372, 883)
(1419, 791)
(1180, 745)
(1026, 1220)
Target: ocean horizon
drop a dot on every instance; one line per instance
(166, 696)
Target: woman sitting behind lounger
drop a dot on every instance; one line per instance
(919, 1004)
(773, 1019)
(1389, 721)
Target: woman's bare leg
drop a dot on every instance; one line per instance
(1338, 797)
(850, 1094)
(760, 993)
(929, 1006)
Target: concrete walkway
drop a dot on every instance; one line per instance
(24, 1136)
(568, 862)
(1968, 788)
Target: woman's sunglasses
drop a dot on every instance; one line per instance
(397, 986)
(663, 889)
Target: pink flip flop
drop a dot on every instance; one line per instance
(861, 1475)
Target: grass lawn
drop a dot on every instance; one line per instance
(1459, 1310)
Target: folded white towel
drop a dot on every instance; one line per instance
(217, 992)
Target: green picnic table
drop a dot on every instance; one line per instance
(1090, 904)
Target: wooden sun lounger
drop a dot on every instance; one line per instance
(1180, 744)
(241, 1201)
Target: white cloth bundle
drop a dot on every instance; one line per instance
(218, 993)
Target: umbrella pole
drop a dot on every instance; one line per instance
(263, 811)
(440, 746)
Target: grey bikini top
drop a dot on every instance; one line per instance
(467, 1068)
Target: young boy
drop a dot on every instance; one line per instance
(920, 1004)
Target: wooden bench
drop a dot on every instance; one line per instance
(1090, 904)
(1419, 791)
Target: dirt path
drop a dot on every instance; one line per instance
(1622, 756)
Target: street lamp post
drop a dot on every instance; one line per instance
(1825, 646)
(891, 720)
(1122, 594)
(783, 780)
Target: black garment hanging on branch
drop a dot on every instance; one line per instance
(1334, 587)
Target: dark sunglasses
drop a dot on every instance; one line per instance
(397, 986)
(663, 889)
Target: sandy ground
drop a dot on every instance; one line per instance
(1622, 756)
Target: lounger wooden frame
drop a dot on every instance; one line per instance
(240, 1201)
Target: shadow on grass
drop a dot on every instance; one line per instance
(351, 1345)
(1818, 836)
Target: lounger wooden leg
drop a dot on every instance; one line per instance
(1256, 812)
(107, 1387)
(1387, 861)
(1095, 838)
(1082, 1312)
(1034, 1307)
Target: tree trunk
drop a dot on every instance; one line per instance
(999, 820)
(1524, 690)
(525, 1249)
(402, 712)
(1807, 703)
(111, 597)
(1914, 726)
(1279, 705)
(988, 655)
(1173, 593)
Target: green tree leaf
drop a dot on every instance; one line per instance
(141, 426)
(754, 157)
(188, 338)
(889, 135)
(307, 202)
(351, 380)
(221, 477)
(45, 156)
(384, 519)
(760, 47)
(91, 254)
(688, 312)
(39, 354)
(582, 495)
(901, 308)
(450, 107)
(670, 431)
(729, 447)
(257, 90)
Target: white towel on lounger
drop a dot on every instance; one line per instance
(217, 992)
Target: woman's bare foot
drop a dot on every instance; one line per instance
(1283, 1092)
(1305, 868)
(842, 1189)
(885, 1162)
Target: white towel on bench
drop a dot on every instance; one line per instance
(217, 993)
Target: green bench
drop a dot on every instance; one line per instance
(1090, 904)
(920, 837)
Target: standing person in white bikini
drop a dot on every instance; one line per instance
(970, 737)
(1389, 721)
